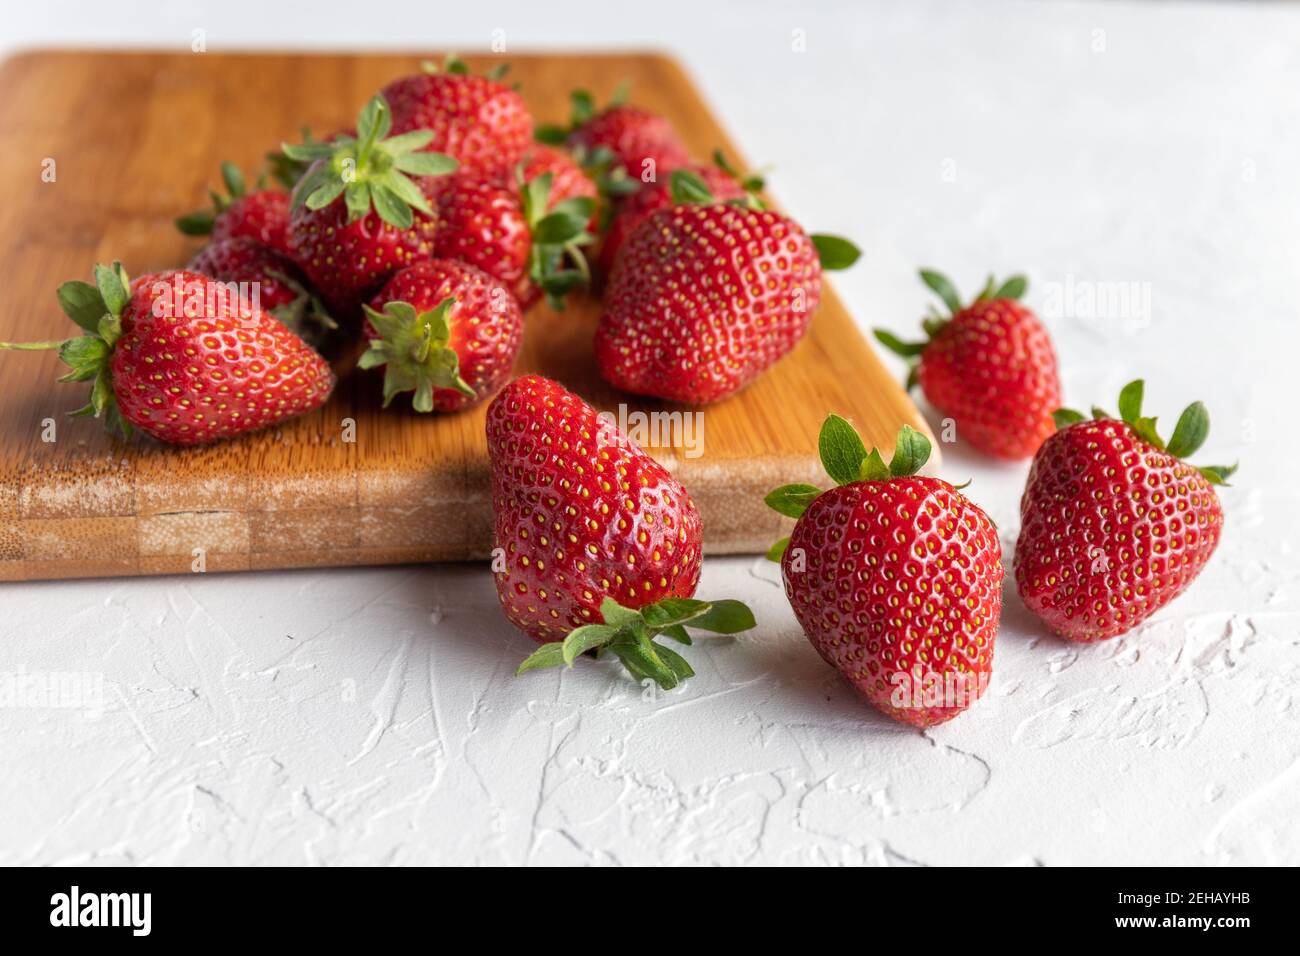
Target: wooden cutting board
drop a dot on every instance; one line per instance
(133, 140)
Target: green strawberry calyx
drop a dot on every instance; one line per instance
(582, 110)
(285, 170)
(689, 188)
(370, 170)
(556, 263)
(686, 186)
(630, 634)
(455, 66)
(609, 175)
(98, 310)
(200, 222)
(1190, 432)
(306, 316)
(412, 347)
(752, 183)
(847, 460)
(934, 322)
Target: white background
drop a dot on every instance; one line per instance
(368, 716)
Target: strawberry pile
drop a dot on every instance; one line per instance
(425, 231)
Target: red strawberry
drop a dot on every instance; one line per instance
(262, 215)
(479, 121)
(508, 233)
(704, 298)
(1114, 524)
(270, 280)
(444, 330)
(569, 180)
(895, 578)
(183, 358)
(643, 144)
(699, 183)
(590, 531)
(990, 367)
(357, 215)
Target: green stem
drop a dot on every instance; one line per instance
(31, 346)
(363, 154)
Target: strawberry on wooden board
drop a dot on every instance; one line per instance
(274, 280)
(516, 234)
(697, 183)
(592, 531)
(477, 120)
(989, 366)
(705, 297)
(569, 178)
(1114, 523)
(183, 358)
(643, 143)
(445, 331)
(895, 578)
(262, 215)
(358, 215)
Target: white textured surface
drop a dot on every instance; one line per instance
(370, 715)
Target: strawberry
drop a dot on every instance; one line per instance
(705, 297)
(183, 358)
(274, 281)
(644, 144)
(262, 215)
(508, 233)
(479, 121)
(698, 183)
(357, 216)
(1113, 523)
(989, 366)
(895, 578)
(568, 178)
(591, 531)
(444, 330)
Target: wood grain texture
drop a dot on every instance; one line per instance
(137, 138)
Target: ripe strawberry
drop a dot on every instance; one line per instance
(990, 367)
(644, 144)
(357, 216)
(508, 233)
(698, 183)
(444, 330)
(183, 358)
(273, 281)
(1114, 524)
(569, 180)
(704, 298)
(591, 531)
(895, 578)
(479, 121)
(262, 215)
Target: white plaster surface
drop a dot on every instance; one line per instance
(371, 715)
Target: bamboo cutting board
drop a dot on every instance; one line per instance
(133, 140)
